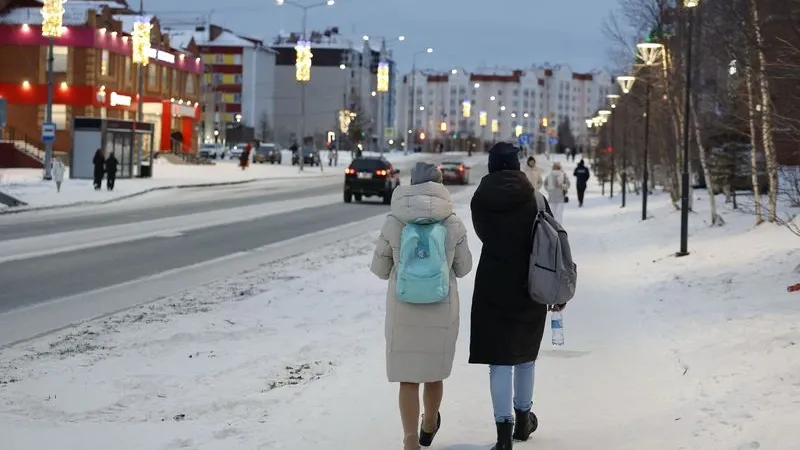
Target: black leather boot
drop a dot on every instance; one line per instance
(504, 433)
(525, 425)
(425, 438)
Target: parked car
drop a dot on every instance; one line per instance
(211, 151)
(370, 177)
(454, 171)
(309, 157)
(236, 151)
(267, 153)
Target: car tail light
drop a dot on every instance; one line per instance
(350, 171)
(461, 168)
(381, 173)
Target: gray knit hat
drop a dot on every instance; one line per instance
(424, 172)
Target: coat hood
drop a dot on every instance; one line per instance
(426, 201)
(506, 190)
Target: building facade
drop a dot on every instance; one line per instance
(94, 76)
(500, 103)
(343, 78)
(240, 81)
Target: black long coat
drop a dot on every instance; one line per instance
(507, 326)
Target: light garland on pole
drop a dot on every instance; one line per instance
(466, 109)
(141, 41)
(483, 119)
(53, 18)
(383, 77)
(495, 126)
(303, 62)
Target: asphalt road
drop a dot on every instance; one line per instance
(32, 281)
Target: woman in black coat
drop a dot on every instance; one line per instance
(99, 162)
(111, 171)
(507, 325)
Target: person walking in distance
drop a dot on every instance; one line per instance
(557, 185)
(111, 171)
(533, 174)
(58, 173)
(507, 326)
(582, 175)
(99, 162)
(421, 250)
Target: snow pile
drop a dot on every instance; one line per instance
(662, 353)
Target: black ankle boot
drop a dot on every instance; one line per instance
(525, 425)
(504, 433)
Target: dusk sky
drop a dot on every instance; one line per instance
(464, 33)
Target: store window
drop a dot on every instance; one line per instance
(152, 77)
(104, 62)
(60, 55)
(60, 116)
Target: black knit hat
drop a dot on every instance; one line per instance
(503, 156)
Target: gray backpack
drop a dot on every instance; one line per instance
(552, 275)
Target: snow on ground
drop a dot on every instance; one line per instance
(662, 353)
(27, 184)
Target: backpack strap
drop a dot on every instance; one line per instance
(540, 204)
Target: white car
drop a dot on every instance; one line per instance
(236, 151)
(211, 151)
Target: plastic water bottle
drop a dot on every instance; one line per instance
(557, 325)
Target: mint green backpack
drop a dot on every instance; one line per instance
(423, 274)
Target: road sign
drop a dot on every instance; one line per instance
(3, 103)
(524, 139)
(594, 141)
(553, 140)
(48, 132)
(388, 132)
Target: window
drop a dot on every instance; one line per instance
(237, 98)
(59, 59)
(152, 76)
(127, 78)
(219, 59)
(104, 63)
(237, 59)
(164, 79)
(189, 84)
(60, 116)
(237, 79)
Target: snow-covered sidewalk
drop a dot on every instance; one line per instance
(662, 354)
(27, 184)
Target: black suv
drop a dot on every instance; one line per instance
(370, 177)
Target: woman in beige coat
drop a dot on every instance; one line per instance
(532, 172)
(421, 338)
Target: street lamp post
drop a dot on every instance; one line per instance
(650, 54)
(52, 28)
(303, 72)
(604, 115)
(612, 99)
(140, 57)
(382, 87)
(691, 5)
(413, 100)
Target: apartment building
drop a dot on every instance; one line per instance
(94, 75)
(343, 77)
(508, 101)
(240, 80)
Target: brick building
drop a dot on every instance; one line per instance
(93, 76)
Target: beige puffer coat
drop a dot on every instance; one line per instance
(421, 339)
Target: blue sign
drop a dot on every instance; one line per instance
(524, 139)
(48, 132)
(553, 140)
(3, 104)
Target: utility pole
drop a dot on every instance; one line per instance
(140, 106)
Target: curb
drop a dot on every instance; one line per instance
(19, 210)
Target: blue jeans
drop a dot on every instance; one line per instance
(501, 380)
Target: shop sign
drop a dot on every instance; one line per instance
(161, 55)
(120, 100)
(183, 110)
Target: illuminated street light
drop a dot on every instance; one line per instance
(589, 123)
(604, 113)
(626, 83)
(612, 100)
(518, 130)
(483, 119)
(650, 52)
(303, 61)
(443, 126)
(52, 28)
(495, 126)
(383, 77)
(466, 109)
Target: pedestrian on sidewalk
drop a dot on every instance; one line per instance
(507, 325)
(111, 171)
(421, 332)
(557, 185)
(582, 176)
(58, 172)
(244, 159)
(533, 174)
(99, 162)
